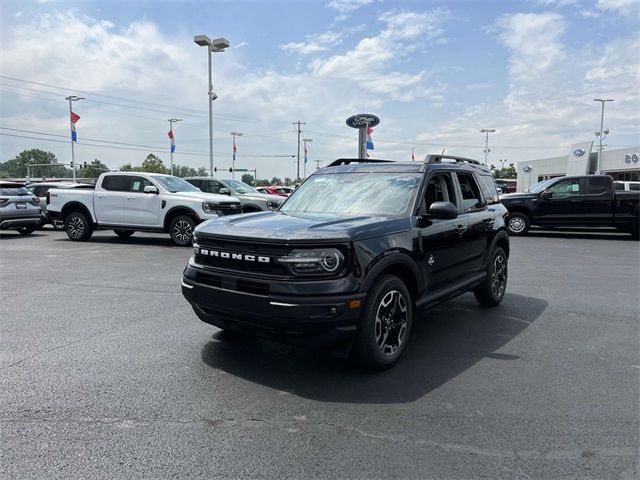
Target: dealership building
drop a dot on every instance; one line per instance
(622, 164)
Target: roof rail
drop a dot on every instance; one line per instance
(434, 158)
(347, 161)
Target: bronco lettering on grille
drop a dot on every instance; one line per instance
(233, 256)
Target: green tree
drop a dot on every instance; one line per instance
(288, 181)
(262, 182)
(509, 172)
(184, 171)
(92, 170)
(276, 181)
(153, 164)
(17, 167)
(247, 178)
(202, 172)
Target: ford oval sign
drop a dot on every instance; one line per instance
(578, 152)
(627, 158)
(634, 158)
(363, 120)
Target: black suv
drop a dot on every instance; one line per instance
(352, 253)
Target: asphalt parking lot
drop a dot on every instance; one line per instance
(105, 372)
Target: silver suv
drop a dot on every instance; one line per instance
(251, 199)
(19, 208)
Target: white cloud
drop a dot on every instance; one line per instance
(534, 40)
(623, 7)
(315, 43)
(557, 3)
(589, 14)
(348, 6)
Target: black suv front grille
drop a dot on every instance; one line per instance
(229, 208)
(242, 257)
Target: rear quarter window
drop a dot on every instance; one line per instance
(117, 183)
(488, 187)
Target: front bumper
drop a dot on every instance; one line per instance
(310, 320)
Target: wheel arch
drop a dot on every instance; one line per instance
(176, 211)
(400, 265)
(76, 207)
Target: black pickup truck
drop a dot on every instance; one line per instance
(585, 201)
(352, 253)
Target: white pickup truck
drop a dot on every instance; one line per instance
(130, 201)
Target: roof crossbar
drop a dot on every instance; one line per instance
(438, 159)
(347, 161)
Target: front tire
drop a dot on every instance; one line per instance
(78, 227)
(181, 230)
(26, 230)
(519, 224)
(385, 324)
(123, 233)
(491, 292)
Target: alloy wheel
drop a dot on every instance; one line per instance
(499, 276)
(75, 227)
(517, 224)
(391, 322)
(182, 232)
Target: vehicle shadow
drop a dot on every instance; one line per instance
(446, 341)
(158, 241)
(581, 234)
(13, 235)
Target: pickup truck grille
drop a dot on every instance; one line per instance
(229, 208)
(241, 257)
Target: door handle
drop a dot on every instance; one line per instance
(460, 229)
(102, 196)
(129, 198)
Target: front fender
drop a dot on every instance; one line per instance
(400, 261)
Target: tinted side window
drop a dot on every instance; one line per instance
(634, 186)
(196, 183)
(598, 185)
(470, 192)
(565, 188)
(618, 186)
(138, 184)
(489, 190)
(117, 183)
(439, 189)
(211, 186)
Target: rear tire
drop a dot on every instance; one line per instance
(181, 230)
(518, 224)
(385, 324)
(491, 292)
(25, 230)
(123, 233)
(78, 227)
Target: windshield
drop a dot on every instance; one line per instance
(175, 184)
(538, 187)
(386, 194)
(240, 187)
(15, 191)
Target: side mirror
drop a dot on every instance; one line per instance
(150, 189)
(224, 191)
(547, 194)
(443, 211)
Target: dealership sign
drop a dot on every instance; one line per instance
(578, 152)
(628, 158)
(363, 120)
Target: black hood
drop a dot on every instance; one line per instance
(300, 227)
(518, 196)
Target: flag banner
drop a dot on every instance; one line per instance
(413, 156)
(74, 118)
(173, 142)
(305, 154)
(369, 140)
(234, 151)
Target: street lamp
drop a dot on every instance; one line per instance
(173, 144)
(72, 98)
(603, 101)
(486, 142)
(233, 160)
(216, 45)
(305, 140)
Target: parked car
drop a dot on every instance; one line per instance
(19, 208)
(251, 199)
(352, 254)
(287, 190)
(626, 186)
(40, 190)
(506, 185)
(127, 202)
(583, 201)
(272, 191)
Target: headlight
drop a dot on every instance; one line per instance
(273, 205)
(314, 262)
(209, 207)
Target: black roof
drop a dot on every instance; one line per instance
(435, 162)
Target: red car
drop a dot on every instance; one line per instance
(273, 191)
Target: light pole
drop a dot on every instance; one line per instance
(486, 142)
(306, 140)
(72, 98)
(233, 160)
(173, 143)
(216, 45)
(502, 162)
(602, 100)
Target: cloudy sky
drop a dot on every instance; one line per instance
(434, 72)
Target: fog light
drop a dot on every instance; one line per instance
(355, 303)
